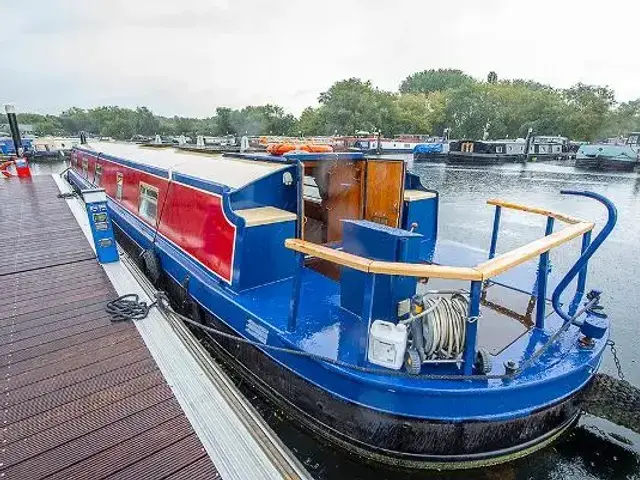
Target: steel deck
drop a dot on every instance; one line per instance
(81, 397)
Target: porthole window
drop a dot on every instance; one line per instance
(287, 178)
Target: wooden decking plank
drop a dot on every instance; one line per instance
(80, 393)
(83, 406)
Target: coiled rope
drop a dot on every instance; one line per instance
(128, 307)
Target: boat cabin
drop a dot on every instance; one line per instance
(548, 146)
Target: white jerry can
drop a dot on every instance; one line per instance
(387, 344)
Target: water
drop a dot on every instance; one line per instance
(596, 449)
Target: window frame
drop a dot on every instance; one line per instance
(119, 186)
(97, 179)
(85, 168)
(143, 188)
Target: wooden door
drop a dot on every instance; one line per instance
(345, 193)
(384, 187)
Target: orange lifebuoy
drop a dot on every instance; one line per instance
(3, 169)
(282, 148)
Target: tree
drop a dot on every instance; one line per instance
(352, 105)
(589, 107)
(492, 77)
(421, 113)
(435, 81)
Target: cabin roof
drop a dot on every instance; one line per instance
(232, 172)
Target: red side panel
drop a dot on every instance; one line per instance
(195, 221)
(192, 219)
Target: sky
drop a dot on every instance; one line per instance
(187, 57)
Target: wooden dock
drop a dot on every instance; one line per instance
(81, 397)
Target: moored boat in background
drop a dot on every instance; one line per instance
(486, 152)
(608, 157)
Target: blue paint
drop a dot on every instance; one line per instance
(102, 232)
(99, 218)
(582, 262)
(582, 276)
(471, 337)
(269, 191)
(495, 231)
(8, 148)
(541, 283)
(422, 213)
(378, 242)
(261, 256)
(367, 313)
(294, 303)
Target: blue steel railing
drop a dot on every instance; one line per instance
(588, 249)
(579, 269)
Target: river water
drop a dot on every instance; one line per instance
(595, 449)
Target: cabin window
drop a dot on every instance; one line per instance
(119, 186)
(148, 202)
(499, 149)
(97, 178)
(85, 168)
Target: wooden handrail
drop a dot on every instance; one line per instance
(508, 260)
(424, 270)
(421, 270)
(481, 272)
(330, 254)
(537, 210)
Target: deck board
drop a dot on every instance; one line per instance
(82, 397)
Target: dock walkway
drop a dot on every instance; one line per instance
(81, 397)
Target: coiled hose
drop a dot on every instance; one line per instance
(444, 325)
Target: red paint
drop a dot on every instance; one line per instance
(192, 219)
(22, 167)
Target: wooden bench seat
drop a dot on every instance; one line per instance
(413, 195)
(265, 215)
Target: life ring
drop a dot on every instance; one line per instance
(282, 148)
(3, 169)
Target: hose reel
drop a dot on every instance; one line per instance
(437, 328)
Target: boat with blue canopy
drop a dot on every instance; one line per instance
(320, 278)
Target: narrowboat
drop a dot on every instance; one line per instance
(542, 148)
(158, 142)
(343, 307)
(373, 145)
(606, 157)
(485, 152)
(433, 152)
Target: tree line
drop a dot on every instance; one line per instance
(426, 102)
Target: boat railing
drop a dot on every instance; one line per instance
(477, 275)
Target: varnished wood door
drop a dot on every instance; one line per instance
(345, 194)
(384, 187)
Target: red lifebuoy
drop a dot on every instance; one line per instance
(3, 169)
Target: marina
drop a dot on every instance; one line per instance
(432, 175)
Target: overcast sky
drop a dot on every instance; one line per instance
(187, 57)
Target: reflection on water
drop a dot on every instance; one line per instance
(595, 449)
